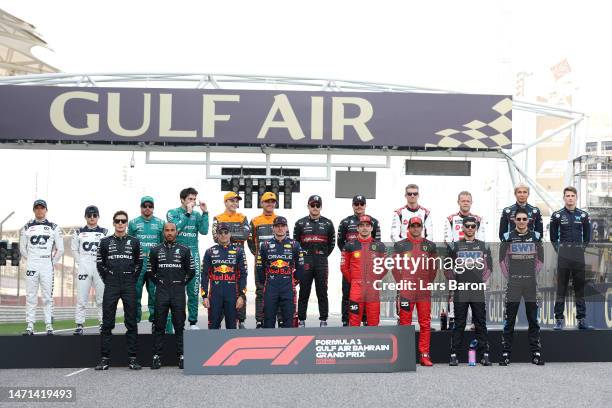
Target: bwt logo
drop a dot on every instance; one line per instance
(90, 246)
(282, 350)
(39, 239)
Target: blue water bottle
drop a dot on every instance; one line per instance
(472, 353)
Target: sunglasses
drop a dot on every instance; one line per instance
(359, 204)
(147, 206)
(223, 232)
(314, 205)
(92, 216)
(470, 226)
(120, 221)
(522, 219)
(412, 194)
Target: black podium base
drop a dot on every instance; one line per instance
(66, 351)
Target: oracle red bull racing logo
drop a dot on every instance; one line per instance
(279, 264)
(223, 269)
(282, 350)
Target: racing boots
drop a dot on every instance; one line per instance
(133, 364)
(505, 359)
(156, 364)
(79, 330)
(104, 364)
(453, 360)
(426, 360)
(536, 358)
(485, 360)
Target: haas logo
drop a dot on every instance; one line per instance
(90, 246)
(39, 239)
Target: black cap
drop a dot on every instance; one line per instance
(470, 219)
(359, 199)
(40, 202)
(315, 199)
(223, 226)
(280, 221)
(92, 209)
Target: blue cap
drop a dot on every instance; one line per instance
(40, 202)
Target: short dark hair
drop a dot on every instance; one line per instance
(521, 211)
(120, 212)
(570, 188)
(188, 191)
(169, 223)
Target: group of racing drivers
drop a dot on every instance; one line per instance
(164, 256)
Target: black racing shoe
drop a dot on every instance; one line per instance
(49, 332)
(28, 332)
(323, 323)
(453, 360)
(559, 324)
(345, 323)
(79, 330)
(302, 324)
(259, 325)
(181, 363)
(100, 328)
(582, 325)
(280, 323)
(536, 358)
(505, 359)
(133, 364)
(485, 360)
(104, 364)
(241, 325)
(156, 364)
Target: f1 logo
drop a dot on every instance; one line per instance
(282, 350)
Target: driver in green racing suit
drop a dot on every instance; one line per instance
(189, 224)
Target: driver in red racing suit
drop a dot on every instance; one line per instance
(424, 252)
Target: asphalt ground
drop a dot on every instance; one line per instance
(519, 385)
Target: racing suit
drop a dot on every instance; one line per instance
(150, 233)
(356, 265)
(170, 268)
(260, 230)
(37, 241)
(521, 258)
(453, 232)
(224, 267)
(85, 242)
(399, 224)
(280, 266)
(347, 231)
(507, 225)
(239, 229)
(424, 252)
(188, 226)
(317, 238)
(472, 265)
(570, 233)
(119, 263)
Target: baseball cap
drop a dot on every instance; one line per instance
(359, 199)
(415, 220)
(268, 195)
(469, 219)
(91, 209)
(147, 199)
(223, 226)
(280, 221)
(365, 218)
(315, 199)
(230, 195)
(40, 202)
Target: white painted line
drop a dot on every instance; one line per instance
(76, 372)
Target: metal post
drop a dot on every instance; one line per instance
(4, 220)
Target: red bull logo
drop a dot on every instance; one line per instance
(279, 263)
(223, 269)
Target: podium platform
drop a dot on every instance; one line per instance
(68, 351)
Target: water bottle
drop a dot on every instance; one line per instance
(443, 320)
(472, 353)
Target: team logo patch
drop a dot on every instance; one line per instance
(177, 251)
(215, 252)
(287, 246)
(558, 215)
(357, 254)
(231, 251)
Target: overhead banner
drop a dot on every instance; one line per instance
(255, 117)
(312, 350)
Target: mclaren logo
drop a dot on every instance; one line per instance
(282, 350)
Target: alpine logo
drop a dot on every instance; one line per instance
(282, 350)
